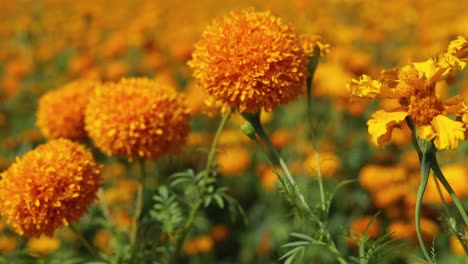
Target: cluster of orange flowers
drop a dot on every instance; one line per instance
(247, 60)
(53, 184)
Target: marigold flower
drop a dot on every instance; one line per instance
(220, 232)
(60, 112)
(364, 226)
(405, 230)
(312, 43)
(48, 187)
(414, 88)
(102, 240)
(198, 245)
(137, 118)
(7, 243)
(43, 245)
(234, 160)
(250, 60)
(328, 164)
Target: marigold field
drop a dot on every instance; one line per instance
(140, 131)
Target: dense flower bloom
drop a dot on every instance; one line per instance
(250, 60)
(48, 187)
(137, 118)
(60, 112)
(414, 88)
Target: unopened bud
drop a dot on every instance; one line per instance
(248, 130)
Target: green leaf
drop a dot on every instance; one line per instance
(219, 200)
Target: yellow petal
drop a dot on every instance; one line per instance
(448, 132)
(425, 132)
(382, 123)
(457, 45)
(364, 87)
(427, 68)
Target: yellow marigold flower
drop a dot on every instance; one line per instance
(233, 160)
(457, 54)
(328, 163)
(414, 86)
(7, 243)
(48, 187)
(268, 178)
(60, 113)
(137, 118)
(122, 192)
(102, 240)
(310, 43)
(365, 86)
(250, 60)
(43, 245)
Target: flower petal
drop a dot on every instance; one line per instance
(448, 132)
(382, 123)
(364, 87)
(426, 132)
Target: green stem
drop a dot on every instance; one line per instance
(139, 203)
(198, 204)
(441, 196)
(447, 212)
(438, 173)
(313, 63)
(425, 168)
(103, 205)
(254, 119)
(320, 181)
(85, 242)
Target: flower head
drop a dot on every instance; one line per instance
(137, 117)
(48, 187)
(414, 88)
(250, 60)
(61, 112)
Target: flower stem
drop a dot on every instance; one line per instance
(447, 212)
(198, 204)
(254, 119)
(104, 206)
(320, 181)
(139, 202)
(425, 168)
(438, 173)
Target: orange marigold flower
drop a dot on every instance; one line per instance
(366, 225)
(60, 112)
(137, 118)
(250, 60)
(48, 187)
